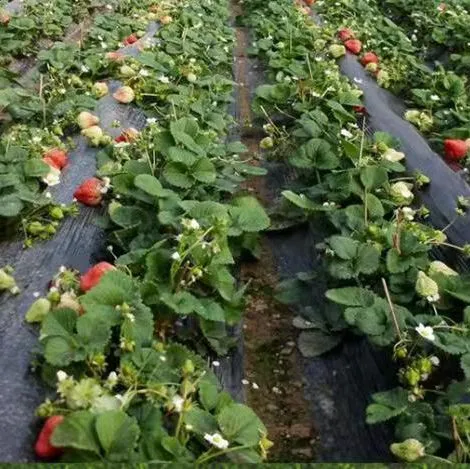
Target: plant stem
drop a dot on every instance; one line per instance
(392, 310)
(207, 457)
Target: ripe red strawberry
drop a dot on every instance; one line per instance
(455, 150)
(43, 447)
(353, 45)
(90, 192)
(57, 156)
(309, 2)
(132, 39)
(359, 109)
(93, 276)
(369, 58)
(345, 34)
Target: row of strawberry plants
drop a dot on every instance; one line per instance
(435, 27)
(382, 281)
(35, 133)
(439, 98)
(114, 341)
(21, 32)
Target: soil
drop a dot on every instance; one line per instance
(273, 367)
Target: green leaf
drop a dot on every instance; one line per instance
(249, 214)
(176, 174)
(300, 200)
(10, 206)
(368, 258)
(60, 322)
(351, 296)
(374, 206)
(77, 430)
(315, 343)
(117, 433)
(36, 168)
(149, 184)
(373, 177)
(208, 394)
(180, 155)
(183, 131)
(128, 216)
(344, 248)
(465, 364)
(202, 421)
(241, 425)
(387, 405)
(59, 351)
(204, 170)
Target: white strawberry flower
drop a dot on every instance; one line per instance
(53, 177)
(61, 375)
(426, 332)
(164, 79)
(434, 360)
(216, 440)
(393, 155)
(346, 133)
(178, 403)
(176, 256)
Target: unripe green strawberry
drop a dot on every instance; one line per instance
(409, 450)
(38, 310)
(412, 376)
(424, 365)
(56, 213)
(35, 228)
(337, 50)
(401, 352)
(50, 229)
(54, 297)
(266, 143)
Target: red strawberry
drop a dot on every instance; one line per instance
(93, 275)
(369, 58)
(455, 150)
(90, 192)
(353, 45)
(129, 135)
(57, 156)
(309, 2)
(359, 109)
(132, 39)
(345, 34)
(43, 447)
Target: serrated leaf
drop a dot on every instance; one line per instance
(176, 174)
(387, 405)
(77, 430)
(201, 421)
(351, 296)
(373, 177)
(204, 171)
(208, 395)
(344, 248)
(300, 200)
(315, 343)
(368, 258)
(241, 425)
(149, 184)
(249, 214)
(117, 434)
